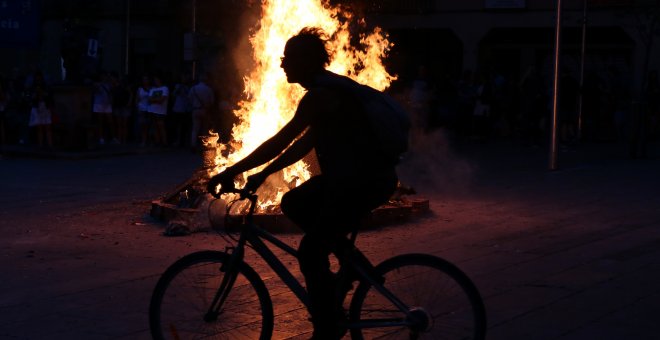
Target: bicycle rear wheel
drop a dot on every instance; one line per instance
(181, 299)
(441, 297)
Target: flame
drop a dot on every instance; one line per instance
(271, 101)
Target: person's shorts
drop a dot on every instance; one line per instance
(40, 116)
(156, 116)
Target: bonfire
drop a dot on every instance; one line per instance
(270, 101)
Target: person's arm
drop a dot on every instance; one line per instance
(272, 147)
(160, 98)
(299, 149)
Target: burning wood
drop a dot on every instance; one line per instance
(188, 208)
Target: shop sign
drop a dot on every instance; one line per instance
(19, 23)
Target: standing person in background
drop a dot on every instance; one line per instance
(181, 117)
(481, 112)
(102, 108)
(568, 108)
(142, 106)
(619, 101)
(158, 100)
(421, 96)
(121, 106)
(466, 97)
(202, 99)
(532, 107)
(652, 97)
(18, 108)
(40, 114)
(4, 102)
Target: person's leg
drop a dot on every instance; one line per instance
(315, 207)
(111, 127)
(326, 312)
(303, 206)
(120, 124)
(196, 126)
(40, 135)
(186, 128)
(174, 128)
(3, 139)
(162, 132)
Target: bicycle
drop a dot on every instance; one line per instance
(216, 294)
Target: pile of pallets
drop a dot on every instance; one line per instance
(186, 201)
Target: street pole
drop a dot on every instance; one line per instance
(194, 44)
(128, 37)
(555, 90)
(583, 56)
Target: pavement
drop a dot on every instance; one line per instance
(567, 254)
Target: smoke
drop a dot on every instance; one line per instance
(242, 53)
(431, 167)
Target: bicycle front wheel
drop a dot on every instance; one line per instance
(443, 301)
(182, 297)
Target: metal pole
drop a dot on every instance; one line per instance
(583, 56)
(194, 44)
(555, 90)
(128, 36)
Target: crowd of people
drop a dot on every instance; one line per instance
(151, 112)
(25, 104)
(495, 105)
(154, 111)
(174, 114)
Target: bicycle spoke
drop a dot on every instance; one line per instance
(439, 306)
(180, 308)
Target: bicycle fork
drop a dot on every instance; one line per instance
(230, 268)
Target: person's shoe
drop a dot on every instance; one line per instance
(345, 279)
(335, 334)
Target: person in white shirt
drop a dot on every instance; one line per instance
(157, 109)
(102, 108)
(202, 100)
(142, 104)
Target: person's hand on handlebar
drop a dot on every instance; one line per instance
(254, 182)
(225, 179)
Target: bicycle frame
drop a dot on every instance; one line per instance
(252, 234)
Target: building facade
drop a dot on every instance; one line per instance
(131, 36)
(71, 40)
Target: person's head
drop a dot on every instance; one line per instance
(305, 55)
(146, 81)
(157, 80)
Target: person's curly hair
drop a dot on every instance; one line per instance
(310, 45)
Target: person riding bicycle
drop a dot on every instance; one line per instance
(333, 123)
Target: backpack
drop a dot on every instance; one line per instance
(389, 121)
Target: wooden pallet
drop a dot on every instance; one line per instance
(388, 214)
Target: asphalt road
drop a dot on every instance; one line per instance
(567, 254)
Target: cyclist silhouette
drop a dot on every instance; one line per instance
(334, 124)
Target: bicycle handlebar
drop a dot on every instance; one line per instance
(242, 192)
